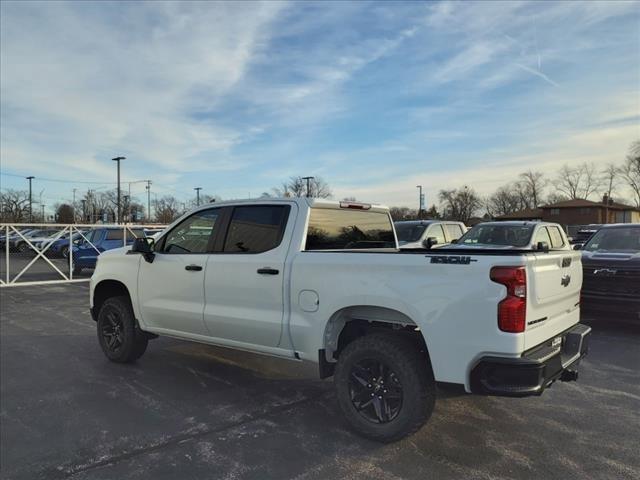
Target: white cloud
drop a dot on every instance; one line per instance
(86, 85)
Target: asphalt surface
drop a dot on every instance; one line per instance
(192, 411)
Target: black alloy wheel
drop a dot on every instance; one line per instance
(375, 390)
(113, 331)
(385, 385)
(120, 338)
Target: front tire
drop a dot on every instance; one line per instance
(385, 386)
(120, 338)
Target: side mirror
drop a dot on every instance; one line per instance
(455, 240)
(430, 242)
(542, 247)
(578, 246)
(144, 245)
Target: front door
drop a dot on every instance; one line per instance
(171, 288)
(244, 282)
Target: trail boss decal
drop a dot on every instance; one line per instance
(453, 259)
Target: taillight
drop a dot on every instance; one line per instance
(512, 311)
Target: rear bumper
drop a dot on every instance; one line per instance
(536, 370)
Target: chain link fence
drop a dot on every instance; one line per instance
(37, 254)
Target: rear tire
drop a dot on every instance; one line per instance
(120, 338)
(390, 402)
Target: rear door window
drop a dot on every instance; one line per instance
(333, 229)
(256, 228)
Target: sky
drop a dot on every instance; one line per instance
(376, 98)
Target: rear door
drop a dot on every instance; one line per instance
(554, 287)
(244, 282)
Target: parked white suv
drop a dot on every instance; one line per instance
(324, 282)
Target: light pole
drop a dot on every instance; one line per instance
(197, 189)
(43, 205)
(308, 179)
(31, 177)
(148, 187)
(419, 187)
(73, 205)
(84, 208)
(126, 209)
(117, 159)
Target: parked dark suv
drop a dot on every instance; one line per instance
(611, 267)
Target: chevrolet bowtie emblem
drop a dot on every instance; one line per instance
(604, 271)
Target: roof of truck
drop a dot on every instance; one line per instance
(301, 201)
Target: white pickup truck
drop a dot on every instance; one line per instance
(325, 282)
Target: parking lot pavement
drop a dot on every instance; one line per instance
(193, 411)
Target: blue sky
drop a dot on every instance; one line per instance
(374, 97)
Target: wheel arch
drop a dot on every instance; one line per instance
(349, 323)
(106, 289)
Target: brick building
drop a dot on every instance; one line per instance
(579, 212)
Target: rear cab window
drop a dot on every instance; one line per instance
(345, 229)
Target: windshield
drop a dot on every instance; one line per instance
(509, 235)
(615, 240)
(409, 232)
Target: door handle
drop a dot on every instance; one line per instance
(268, 271)
(193, 268)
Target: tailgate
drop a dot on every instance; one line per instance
(553, 305)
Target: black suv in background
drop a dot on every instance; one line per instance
(611, 268)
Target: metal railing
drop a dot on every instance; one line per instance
(28, 247)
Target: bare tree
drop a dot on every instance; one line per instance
(506, 199)
(531, 186)
(167, 209)
(610, 177)
(297, 187)
(578, 182)
(14, 206)
(459, 204)
(403, 213)
(630, 171)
